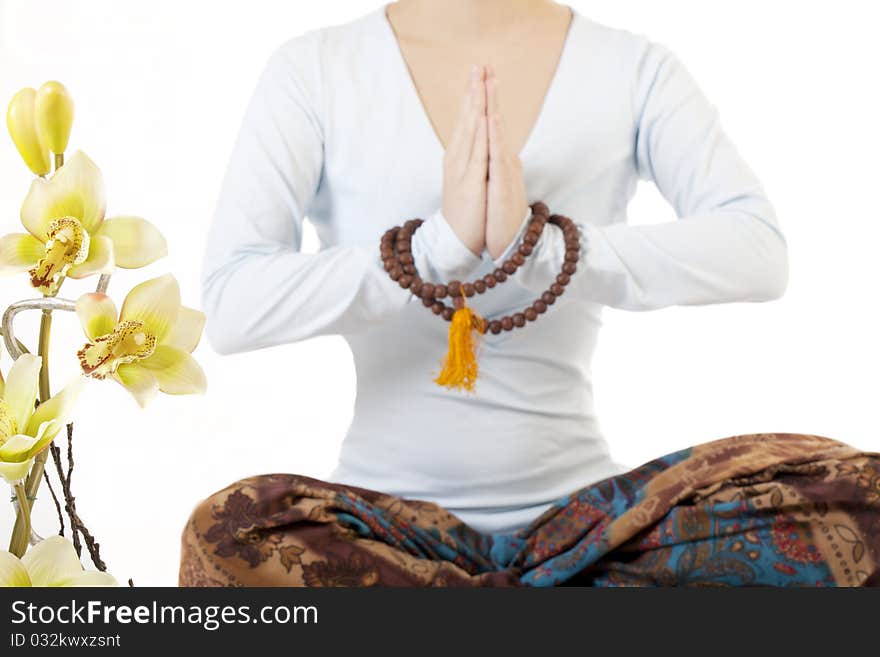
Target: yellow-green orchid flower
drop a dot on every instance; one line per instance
(147, 346)
(68, 235)
(53, 110)
(25, 432)
(21, 121)
(51, 562)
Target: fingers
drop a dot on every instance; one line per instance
(501, 158)
(456, 138)
(462, 132)
(479, 152)
(475, 115)
(497, 145)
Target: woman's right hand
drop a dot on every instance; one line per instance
(465, 167)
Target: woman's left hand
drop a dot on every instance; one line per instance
(506, 194)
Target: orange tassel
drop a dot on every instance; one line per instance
(460, 367)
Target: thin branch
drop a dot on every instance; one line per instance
(93, 545)
(55, 499)
(69, 452)
(76, 523)
(69, 504)
(45, 304)
(69, 476)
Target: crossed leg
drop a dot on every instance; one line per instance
(762, 509)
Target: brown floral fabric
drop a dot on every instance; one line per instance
(760, 509)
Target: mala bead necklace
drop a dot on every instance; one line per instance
(460, 366)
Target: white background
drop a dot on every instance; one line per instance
(160, 88)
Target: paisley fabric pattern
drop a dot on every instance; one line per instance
(754, 510)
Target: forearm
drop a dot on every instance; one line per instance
(733, 254)
(265, 295)
(261, 300)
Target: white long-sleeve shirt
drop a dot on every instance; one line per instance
(336, 132)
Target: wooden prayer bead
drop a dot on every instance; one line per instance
(396, 254)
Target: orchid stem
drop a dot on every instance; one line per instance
(21, 532)
(20, 542)
(43, 352)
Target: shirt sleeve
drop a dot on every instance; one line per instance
(258, 289)
(726, 245)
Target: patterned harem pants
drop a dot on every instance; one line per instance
(754, 510)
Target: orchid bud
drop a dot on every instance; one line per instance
(20, 121)
(54, 112)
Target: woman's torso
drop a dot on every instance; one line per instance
(529, 434)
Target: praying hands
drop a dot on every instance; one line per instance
(484, 196)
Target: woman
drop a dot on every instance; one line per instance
(362, 126)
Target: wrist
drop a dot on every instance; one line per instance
(439, 250)
(515, 241)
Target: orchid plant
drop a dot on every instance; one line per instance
(146, 346)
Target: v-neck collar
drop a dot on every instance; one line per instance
(416, 100)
